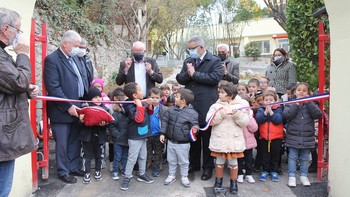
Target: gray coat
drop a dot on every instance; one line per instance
(301, 124)
(281, 75)
(16, 135)
(177, 123)
(232, 71)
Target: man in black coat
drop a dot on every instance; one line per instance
(201, 74)
(230, 67)
(142, 70)
(65, 77)
(86, 60)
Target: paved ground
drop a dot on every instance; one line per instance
(107, 187)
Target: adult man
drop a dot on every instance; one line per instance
(144, 71)
(85, 60)
(64, 78)
(16, 135)
(201, 73)
(230, 67)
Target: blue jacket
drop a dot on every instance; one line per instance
(155, 119)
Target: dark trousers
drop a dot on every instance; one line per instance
(154, 151)
(111, 152)
(270, 158)
(196, 151)
(67, 146)
(246, 163)
(92, 150)
(257, 163)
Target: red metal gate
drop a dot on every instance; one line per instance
(42, 161)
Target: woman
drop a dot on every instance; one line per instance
(281, 71)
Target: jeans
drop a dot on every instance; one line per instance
(6, 177)
(303, 156)
(120, 157)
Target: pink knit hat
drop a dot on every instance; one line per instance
(99, 81)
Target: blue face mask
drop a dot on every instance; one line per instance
(74, 51)
(194, 53)
(13, 40)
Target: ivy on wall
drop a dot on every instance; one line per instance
(302, 30)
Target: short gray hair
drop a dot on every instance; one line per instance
(70, 36)
(139, 44)
(83, 41)
(198, 40)
(227, 48)
(8, 16)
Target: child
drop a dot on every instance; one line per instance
(176, 126)
(290, 92)
(270, 123)
(253, 87)
(227, 140)
(138, 131)
(119, 131)
(92, 137)
(165, 88)
(242, 88)
(154, 146)
(175, 88)
(250, 143)
(264, 84)
(300, 133)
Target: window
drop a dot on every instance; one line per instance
(264, 46)
(283, 43)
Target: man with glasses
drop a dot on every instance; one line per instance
(201, 73)
(229, 67)
(16, 135)
(65, 78)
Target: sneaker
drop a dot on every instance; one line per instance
(98, 175)
(169, 180)
(240, 178)
(185, 182)
(249, 179)
(125, 184)
(274, 177)
(87, 178)
(263, 176)
(144, 178)
(115, 176)
(156, 172)
(292, 182)
(305, 181)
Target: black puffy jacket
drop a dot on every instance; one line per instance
(119, 127)
(176, 123)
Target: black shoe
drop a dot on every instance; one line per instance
(192, 169)
(77, 173)
(68, 178)
(233, 187)
(218, 183)
(207, 174)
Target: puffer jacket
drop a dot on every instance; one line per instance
(301, 124)
(227, 129)
(176, 123)
(249, 130)
(270, 127)
(16, 135)
(119, 127)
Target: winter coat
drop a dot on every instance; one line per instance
(301, 124)
(227, 129)
(249, 130)
(119, 127)
(138, 121)
(232, 68)
(156, 118)
(87, 131)
(203, 83)
(281, 75)
(16, 135)
(270, 127)
(177, 123)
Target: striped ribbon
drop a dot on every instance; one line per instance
(194, 129)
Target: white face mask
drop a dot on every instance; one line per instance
(74, 51)
(81, 53)
(277, 58)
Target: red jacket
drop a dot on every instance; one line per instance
(270, 127)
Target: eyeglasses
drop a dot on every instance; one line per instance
(18, 30)
(193, 48)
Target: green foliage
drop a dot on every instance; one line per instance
(252, 50)
(302, 30)
(73, 14)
